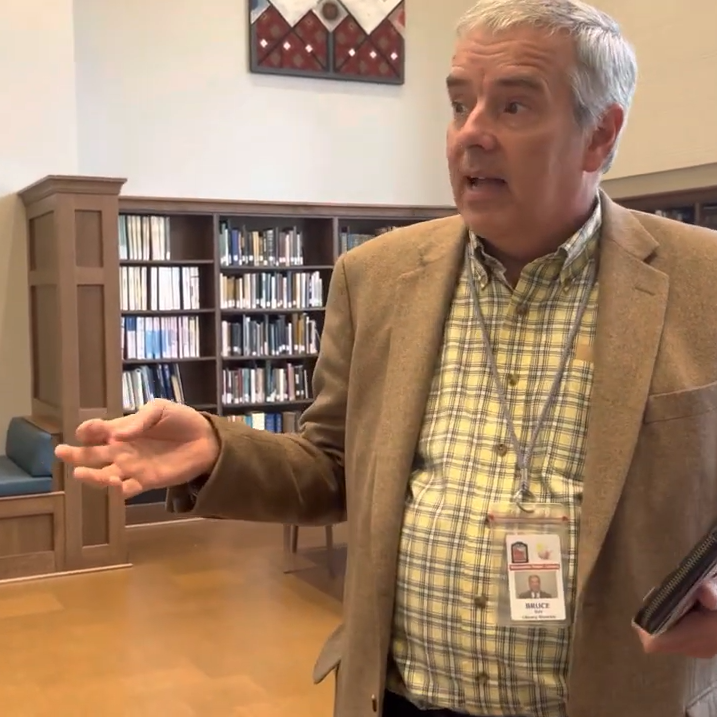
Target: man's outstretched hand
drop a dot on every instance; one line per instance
(695, 635)
(161, 445)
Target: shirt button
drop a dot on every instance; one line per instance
(483, 677)
(512, 379)
(521, 310)
(481, 601)
(501, 449)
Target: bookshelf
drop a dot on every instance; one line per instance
(216, 303)
(692, 206)
(256, 276)
(73, 282)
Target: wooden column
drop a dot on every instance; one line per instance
(76, 341)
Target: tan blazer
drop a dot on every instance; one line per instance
(650, 485)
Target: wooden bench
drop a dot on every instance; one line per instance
(31, 500)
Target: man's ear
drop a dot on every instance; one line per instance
(603, 138)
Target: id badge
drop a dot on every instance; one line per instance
(531, 550)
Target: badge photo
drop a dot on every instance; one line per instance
(535, 578)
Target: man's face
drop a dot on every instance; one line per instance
(534, 585)
(518, 160)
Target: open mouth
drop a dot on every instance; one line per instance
(485, 181)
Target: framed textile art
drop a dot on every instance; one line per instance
(361, 40)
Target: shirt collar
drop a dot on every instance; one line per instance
(569, 259)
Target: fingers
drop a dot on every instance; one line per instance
(707, 595)
(99, 477)
(97, 431)
(87, 456)
(132, 426)
(131, 488)
(94, 432)
(108, 477)
(693, 635)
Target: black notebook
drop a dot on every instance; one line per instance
(675, 596)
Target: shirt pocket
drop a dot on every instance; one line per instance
(565, 429)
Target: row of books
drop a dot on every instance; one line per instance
(350, 240)
(144, 238)
(159, 288)
(270, 336)
(265, 384)
(148, 238)
(145, 383)
(280, 422)
(267, 247)
(685, 214)
(292, 290)
(160, 337)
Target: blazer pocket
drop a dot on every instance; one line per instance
(681, 404)
(330, 655)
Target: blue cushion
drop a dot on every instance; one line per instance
(29, 447)
(15, 481)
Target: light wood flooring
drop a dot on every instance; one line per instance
(205, 624)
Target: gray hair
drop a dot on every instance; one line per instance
(606, 67)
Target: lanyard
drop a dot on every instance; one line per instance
(523, 458)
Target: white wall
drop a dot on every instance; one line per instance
(165, 99)
(673, 122)
(38, 137)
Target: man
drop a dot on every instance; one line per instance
(461, 360)
(535, 589)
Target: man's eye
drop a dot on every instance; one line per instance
(458, 108)
(513, 107)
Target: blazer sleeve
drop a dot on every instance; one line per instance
(286, 478)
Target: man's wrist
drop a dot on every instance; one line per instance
(210, 451)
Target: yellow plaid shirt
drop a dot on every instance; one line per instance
(446, 647)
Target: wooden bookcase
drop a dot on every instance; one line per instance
(260, 267)
(76, 361)
(261, 273)
(694, 206)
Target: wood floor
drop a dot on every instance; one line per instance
(204, 624)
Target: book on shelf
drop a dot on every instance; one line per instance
(239, 246)
(682, 214)
(270, 336)
(709, 216)
(272, 290)
(159, 337)
(349, 239)
(142, 384)
(279, 422)
(251, 385)
(144, 237)
(159, 288)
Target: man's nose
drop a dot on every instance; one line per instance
(478, 131)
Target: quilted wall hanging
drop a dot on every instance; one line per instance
(360, 40)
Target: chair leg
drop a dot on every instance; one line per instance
(291, 545)
(330, 550)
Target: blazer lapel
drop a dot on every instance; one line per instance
(422, 300)
(632, 300)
